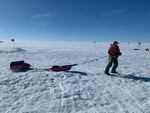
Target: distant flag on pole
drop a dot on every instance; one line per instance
(12, 40)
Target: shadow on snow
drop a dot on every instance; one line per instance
(144, 79)
(78, 72)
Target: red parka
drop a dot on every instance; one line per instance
(114, 50)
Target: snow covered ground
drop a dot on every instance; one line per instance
(83, 90)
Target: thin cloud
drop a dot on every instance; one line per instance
(114, 12)
(43, 19)
(42, 16)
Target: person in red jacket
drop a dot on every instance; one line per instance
(114, 53)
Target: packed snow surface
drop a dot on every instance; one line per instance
(85, 89)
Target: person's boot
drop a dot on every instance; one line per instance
(107, 73)
(115, 72)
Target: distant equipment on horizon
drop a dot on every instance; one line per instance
(147, 49)
(139, 47)
(13, 40)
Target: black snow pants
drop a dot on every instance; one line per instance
(112, 61)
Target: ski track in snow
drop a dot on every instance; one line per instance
(83, 90)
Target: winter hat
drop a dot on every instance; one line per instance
(115, 42)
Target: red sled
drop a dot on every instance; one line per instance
(61, 68)
(19, 66)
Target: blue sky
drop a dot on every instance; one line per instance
(75, 20)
